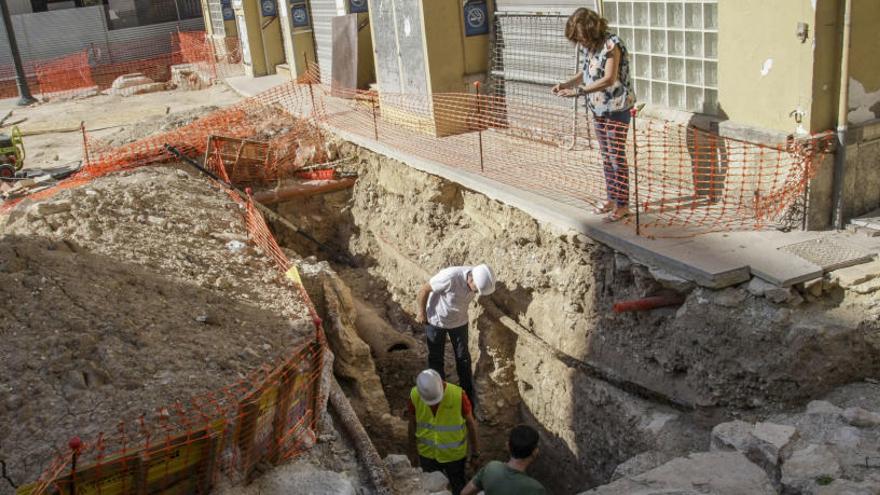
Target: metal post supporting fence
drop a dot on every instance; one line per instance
(311, 91)
(479, 124)
(633, 112)
(75, 445)
(24, 92)
(82, 126)
(374, 103)
(806, 200)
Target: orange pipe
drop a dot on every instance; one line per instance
(303, 190)
(648, 303)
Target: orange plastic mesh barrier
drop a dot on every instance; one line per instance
(267, 417)
(60, 76)
(673, 175)
(97, 68)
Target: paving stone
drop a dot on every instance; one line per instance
(854, 275)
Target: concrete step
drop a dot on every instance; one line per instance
(283, 70)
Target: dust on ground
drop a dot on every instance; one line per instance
(55, 139)
(122, 296)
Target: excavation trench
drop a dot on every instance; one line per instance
(607, 392)
(368, 308)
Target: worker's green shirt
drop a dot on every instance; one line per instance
(497, 478)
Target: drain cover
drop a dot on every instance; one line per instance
(828, 253)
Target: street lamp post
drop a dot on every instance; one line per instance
(20, 78)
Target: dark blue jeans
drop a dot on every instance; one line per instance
(436, 338)
(611, 131)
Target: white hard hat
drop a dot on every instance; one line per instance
(430, 387)
(484, 279)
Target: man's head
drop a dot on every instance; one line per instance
(523, 442)
(481, 280)
(430, 387)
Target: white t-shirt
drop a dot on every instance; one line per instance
(449, 298)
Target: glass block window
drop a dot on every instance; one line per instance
(673, 46)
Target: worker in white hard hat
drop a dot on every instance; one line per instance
(442, 430)
(443, 305)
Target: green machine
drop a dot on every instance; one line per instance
(11, 154)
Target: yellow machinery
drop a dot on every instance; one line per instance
(12, 154)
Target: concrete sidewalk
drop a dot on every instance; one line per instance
(712, 260)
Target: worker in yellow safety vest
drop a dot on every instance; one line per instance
(442, 430)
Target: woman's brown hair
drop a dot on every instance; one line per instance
(586, 27)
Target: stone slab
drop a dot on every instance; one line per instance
(869, 220)
(854, 275)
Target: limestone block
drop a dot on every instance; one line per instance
(397, 463)
(641, 463)
(434, 482)
(778, 436)
(730, 297)
(854, 275)
(760, 288)
(847, 487)
(670, 281)
(862, 418)
(130, 80)
(805, 466)
(735, 435)
(823, 407)
(719, 473)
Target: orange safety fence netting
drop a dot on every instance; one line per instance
(96, 68)
(267, 417)
(674, 175)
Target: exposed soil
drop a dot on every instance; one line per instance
(58, 140)
(123, 296)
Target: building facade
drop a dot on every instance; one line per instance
(750, 69)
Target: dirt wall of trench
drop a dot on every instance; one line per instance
(601, 387)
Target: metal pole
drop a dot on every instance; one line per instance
(633, 113)
(177, 10)
(842, 110)
(479, 125)
(24, 92)
(373, 103)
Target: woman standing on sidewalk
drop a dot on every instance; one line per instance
(605, 80)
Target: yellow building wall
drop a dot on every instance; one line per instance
(864, 62)
(451, 55)
(764, 71)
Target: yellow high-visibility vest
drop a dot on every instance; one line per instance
(442, 437)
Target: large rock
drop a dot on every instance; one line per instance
(805, 469)
(718, 473)
(761, 443)
(760, 288)
(299, 477)
(641, 463)
(862, 418)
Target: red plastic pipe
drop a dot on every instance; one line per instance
(648, 303)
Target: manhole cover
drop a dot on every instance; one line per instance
(828, 253)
